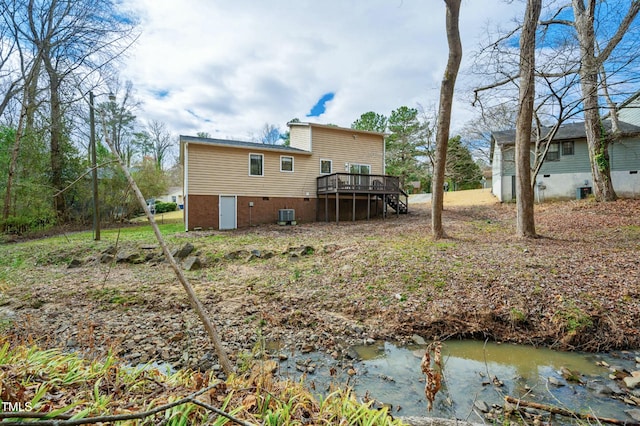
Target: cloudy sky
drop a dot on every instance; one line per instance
(227, 67)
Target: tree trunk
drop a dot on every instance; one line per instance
(444, 115)
(596, 136)
(590, 65)
(56, 141)
(524, 193)
(26, 114)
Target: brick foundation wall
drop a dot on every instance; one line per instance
(265, 209)
(203, 210)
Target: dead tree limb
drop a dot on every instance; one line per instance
(63, 420)
(567, 413)
(193, 298)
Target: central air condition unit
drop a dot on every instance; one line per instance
(286, 217)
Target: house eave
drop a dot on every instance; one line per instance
(250, 146)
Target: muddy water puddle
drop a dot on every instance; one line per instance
(477, 376)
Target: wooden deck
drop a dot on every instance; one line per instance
(374, 187)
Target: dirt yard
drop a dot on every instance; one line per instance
(322, 286)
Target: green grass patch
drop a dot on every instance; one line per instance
(115, 296)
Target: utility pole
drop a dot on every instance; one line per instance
(94, 170)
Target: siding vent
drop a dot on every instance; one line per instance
(265, 198)
(633, 172)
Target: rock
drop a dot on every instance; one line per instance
(570, 376)
(482, 406)
(268, 255)
(369, 341)
(634, 414)
(192, 263)
(307, 347)
(599, 388)
(7, 315)
(109, 250)
(75, 263)
(556, 382)
(184, 251)
(234, 255)
(351, 372)
(205, 362)
(418, 340)
(106, 258)
(631, 382)
(256, 253)
(615, 388)
(351, 354)
(126, 257)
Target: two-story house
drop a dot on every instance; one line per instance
(326, 173)
(566, 169)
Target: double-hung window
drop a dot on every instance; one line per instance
(256, 165)
(325, 167)
(553, 154)
(567, 148)
(286, 163)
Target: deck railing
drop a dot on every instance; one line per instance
(349, 182)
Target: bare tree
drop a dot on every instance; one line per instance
(477, 132)
(591, 65)
(270, 134)
(444, 114)
(71, 37)
(161, 142)
(525, 219)
(566, 74)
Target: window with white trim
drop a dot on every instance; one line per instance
(325, 167)
(256, 165)
(286, 163)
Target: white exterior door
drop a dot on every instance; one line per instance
(227, 209)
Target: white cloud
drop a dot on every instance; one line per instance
(230, 66)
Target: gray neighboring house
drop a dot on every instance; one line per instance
(566, 170)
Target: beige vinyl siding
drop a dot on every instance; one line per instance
(300, 137)
(342, 148)
(225, 170)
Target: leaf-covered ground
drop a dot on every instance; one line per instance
(574, 288)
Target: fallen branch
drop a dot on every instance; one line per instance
(63, 419)
(567, 413)
(193, 298)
